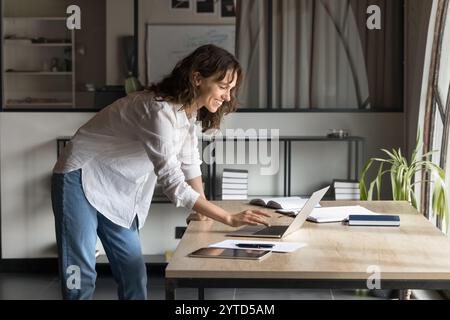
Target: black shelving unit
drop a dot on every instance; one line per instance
(356, 152)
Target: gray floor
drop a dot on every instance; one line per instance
(44, 287)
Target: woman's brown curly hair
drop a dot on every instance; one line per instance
(179, 87)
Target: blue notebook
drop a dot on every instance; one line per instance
(374, 220)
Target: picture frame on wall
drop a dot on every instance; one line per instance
(205, 6)
(180, 4)
(228, 8)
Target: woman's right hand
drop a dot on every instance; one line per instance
(248, 217)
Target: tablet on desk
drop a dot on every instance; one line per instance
(246, 254)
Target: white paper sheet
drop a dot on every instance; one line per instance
(277, 246)
(337, 214)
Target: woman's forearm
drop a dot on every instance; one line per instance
(205, 207)
(212, 211)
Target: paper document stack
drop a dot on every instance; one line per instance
(346, 190)
(332, 214)
(234, 184)
(275, 246)
(337, 214)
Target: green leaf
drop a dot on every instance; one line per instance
(378, 181)
(394, 186)
(362, 185)
(370, 192)
(389, 153)
(416, 150)
(132, 84)
(413, 199)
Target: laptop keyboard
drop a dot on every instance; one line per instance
(273, 230)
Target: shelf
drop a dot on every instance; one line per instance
(155, 259)
(31, 45)
(38, 44)
(45, 104)
(36, 18)
(39, 73)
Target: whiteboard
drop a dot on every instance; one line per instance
(168, 44)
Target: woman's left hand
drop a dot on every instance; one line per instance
(194, 216)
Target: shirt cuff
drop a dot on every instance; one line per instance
(191, 171)
(189, 199)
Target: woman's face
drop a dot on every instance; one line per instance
(214, 92)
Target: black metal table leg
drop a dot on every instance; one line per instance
(289, 167)
(356, 160)
(201, 293)
(363, 153)
(285, 161)
(213, 179)
(170, 289)
(205, 145)
(349, 159)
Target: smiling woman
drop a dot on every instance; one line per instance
(103, 182)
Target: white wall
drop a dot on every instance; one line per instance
(28, 153)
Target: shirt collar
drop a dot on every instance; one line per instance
(182, 119)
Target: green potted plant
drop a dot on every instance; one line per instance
(402, 174)
(132, 84)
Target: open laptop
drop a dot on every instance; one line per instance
(282, 230)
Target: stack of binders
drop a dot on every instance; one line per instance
(346, 190)
(234, 184)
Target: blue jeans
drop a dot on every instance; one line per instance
(77, 225)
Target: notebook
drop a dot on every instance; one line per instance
(374, 220)
(286, 203)
(331, 214)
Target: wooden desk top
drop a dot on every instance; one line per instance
(415, 250)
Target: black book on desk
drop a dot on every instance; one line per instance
(380, 220)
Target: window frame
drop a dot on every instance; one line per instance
(435, 105)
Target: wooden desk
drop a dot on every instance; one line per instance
(414, 256)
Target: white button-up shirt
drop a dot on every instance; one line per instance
(126, 149)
